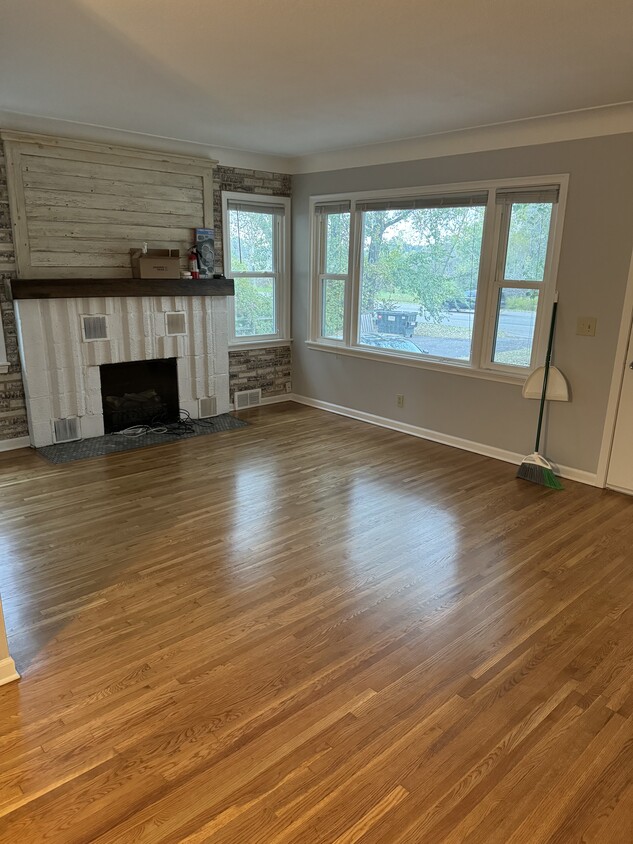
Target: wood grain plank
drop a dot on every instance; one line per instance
(312, 630)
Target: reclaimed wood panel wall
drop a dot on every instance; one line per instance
(78, 208)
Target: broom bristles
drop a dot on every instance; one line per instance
(536, 474)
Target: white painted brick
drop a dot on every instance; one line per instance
(160, 328)
(36, 382)
(40, 410)
(220, 305)
(184, 379)
(94, 404)
(69, 405)
(191, 406)
(41, 434)
(222, 391)
(92, 426)
(92, 378)
(52, 329)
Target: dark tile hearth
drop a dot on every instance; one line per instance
(113, 443)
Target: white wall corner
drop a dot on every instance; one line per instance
(8, 671)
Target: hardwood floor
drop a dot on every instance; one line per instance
(313, 630)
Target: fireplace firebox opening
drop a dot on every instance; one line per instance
(142, 392)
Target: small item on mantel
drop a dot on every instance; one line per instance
(186, 275)
(155, 263)
(205, 250)
(193, 263)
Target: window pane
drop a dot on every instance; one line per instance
(255, 307)
(514, 334)
(527, 241)
(333, 308)
(251, 241)
(337, 244)
(419, 279)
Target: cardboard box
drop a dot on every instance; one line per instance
(155, 263)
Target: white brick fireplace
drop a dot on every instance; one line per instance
(61, 366)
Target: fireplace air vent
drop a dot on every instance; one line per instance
(207, 407)
(66, 430)
(175, 323)
(247, 398)
(94, 328)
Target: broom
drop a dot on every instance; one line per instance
(535, 467)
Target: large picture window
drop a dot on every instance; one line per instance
(256, 245)
(460, 277)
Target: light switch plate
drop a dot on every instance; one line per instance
(586, 326)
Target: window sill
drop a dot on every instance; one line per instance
(258, 344)
(4, 367)
(403, 360)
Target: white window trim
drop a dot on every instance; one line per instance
(282, 289)
(480, 365)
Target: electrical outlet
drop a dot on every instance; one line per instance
(399, 400)
(586, 326)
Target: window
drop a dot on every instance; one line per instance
(256, 248)
(459, 278)
(333, 268)
(525, 224)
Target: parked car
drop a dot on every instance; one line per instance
(390, 341)
(466, 301)
(462, 302)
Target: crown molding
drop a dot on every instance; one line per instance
(568, 126)
(572, 125)
(14, 122)
(40, 140)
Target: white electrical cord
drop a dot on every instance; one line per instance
(141, 430)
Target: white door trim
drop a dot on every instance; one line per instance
(617, 378)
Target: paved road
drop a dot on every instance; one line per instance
(517, 326)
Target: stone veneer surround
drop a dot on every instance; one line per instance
(61, 369)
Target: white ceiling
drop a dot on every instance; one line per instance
(298, 77)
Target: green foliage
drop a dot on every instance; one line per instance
(251, 241)
(333, 316)
(337, 255)
(527, 241)
(427, 255)
(254, 306)
(252, 251)
(523, 300)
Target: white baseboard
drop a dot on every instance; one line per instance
(16, 442)
(270, 400)
(568, 472)
(8, 672)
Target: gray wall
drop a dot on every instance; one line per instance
(595, 256)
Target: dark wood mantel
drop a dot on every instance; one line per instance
(77, 288)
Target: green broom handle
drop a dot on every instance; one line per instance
(548, 358)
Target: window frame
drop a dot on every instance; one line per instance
(319, 252)
(481, 364)
(280, 272)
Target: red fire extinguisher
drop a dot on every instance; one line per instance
(193, 263)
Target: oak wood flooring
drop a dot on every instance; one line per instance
(313, 630)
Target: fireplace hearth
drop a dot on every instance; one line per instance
(143, 392)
